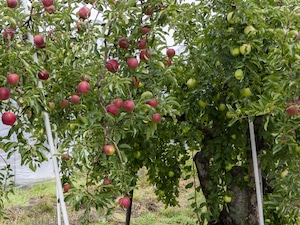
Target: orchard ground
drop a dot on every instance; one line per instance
(37, 205)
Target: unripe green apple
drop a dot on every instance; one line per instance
(297, 148)
(228, 167)
(245, 49)
(246, 92)
(202, 103)
(249, 30)
(233, 136)
(227, 199)
(222, 107)
(235, 51)
(171, 173)
(239, 74)
(284, 173)
(191, 83)
(138, 155)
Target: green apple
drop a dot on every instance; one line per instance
(161, 193)
(235, 51)
(284, 173)
(246, 92)
(233, 136)
(171, 173)
(222, 107)
(239, 74)
(230, 18)
(218, 63)
(297, 148)
(138, 155)
(202, 103)
(228, 167)
(229, 115)
(245, 49)
(191, 83)
(249, 30)
(227, 199)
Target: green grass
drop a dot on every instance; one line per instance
(37, 205)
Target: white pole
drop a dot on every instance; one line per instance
(256, 174)
(53, 150)
(58, 206)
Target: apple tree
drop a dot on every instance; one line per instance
(241, 64)
(103, 73)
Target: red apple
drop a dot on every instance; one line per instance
(128, 105)
(145, 30)
(106, 181)
(152, 102)
(292, 110)
(39, 41)
(149, 10)
(12, 3)
(112, 109)
(84, 12)
(123, 43)
(8, 118)
(43, 75)
(118, 102)
(75, 99)
(49, 9)
(4, 93)
(12, 79)
(145, 55)
(142, 44)
(109, 150)
(9, 34)
(112, 65)
(83, 87)
(170, 52)
(132, 63)
(156, 118)
(66, 187)
(47, 2)
(124, 202)
(64, 103)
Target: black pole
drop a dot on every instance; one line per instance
(128, 211)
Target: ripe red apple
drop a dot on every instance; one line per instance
(12, 3)
(145, 30)
(64, 103)
(43, 75)
(75, 99)
(112, 109)
(124, 202)
(149, 10)
(39, 41)
(128, 105)
(4, 93)
(156, 118)
(136, 81)
(66, 187)
(170, 52)
(9, 33)
(132, 63)
(47, 2)
(152, 102)
(106, 181)
(123, 43)
(145, 55)
(83, 87)
(109, 150)
(49, 9)
(12, 79)
(292, 110)
(112, 65)
(84, 12)
(118, 102)
(8, 118)
(142, 43)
